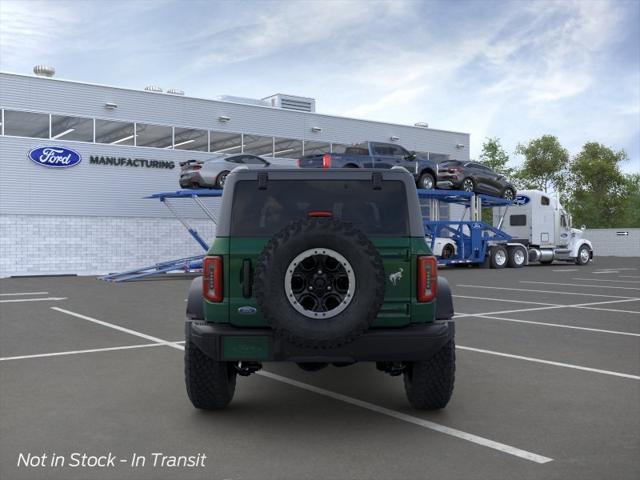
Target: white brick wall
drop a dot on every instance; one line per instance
(45, 245)
(607, 241)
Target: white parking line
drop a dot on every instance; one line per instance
(549, 362)
(606, 280)
(119, 328)
(566, 270)
(533, 457)
(629, 276)
(559, 325)
(91, 350)
(581, 285)
(23, 293)
(605, 272)
(47, 299)
(528, 290)
(588, 306)
(411, 419)
(505, 300)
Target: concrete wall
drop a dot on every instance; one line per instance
(612, 242)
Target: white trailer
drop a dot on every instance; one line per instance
(538, 221)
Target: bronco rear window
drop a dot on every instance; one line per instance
(380, 212)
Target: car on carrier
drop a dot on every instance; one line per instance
(474, 177)
(318, 268)
(213, 172)
(378, 155)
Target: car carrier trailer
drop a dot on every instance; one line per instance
(532, 228)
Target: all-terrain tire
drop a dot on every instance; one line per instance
(317, 233)
(429, 384)
(210, 384)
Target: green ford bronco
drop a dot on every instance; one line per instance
(319, 267)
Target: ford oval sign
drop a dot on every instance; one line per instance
(55, 157)
(521, 200)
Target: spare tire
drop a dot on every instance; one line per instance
(319, 283)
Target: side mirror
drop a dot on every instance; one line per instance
(583, 227)
(411, 156)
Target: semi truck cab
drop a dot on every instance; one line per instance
(538, 221)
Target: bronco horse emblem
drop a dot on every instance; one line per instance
(394, 277)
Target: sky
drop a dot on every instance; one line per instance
(515, 70)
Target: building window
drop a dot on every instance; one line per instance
(258, 145)
(157, 136)
(316, 148)
(226, 143)
(438, 157)
(115, 133)
(191, 139)
(26, 124)
(287, 148)
(71, 128)
(338, 148)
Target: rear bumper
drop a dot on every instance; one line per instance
(228, 343)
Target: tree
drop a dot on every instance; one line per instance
(495, 157)
(598, 191)
(630, 217)
(545, 163)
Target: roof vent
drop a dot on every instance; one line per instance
(292, 102)
(153, 88)
(421, 125)
(44, 71)
(175, 91)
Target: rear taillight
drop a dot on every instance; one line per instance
(427, 279)
(455, 170)
(212, 279)
(196, 167)
(326, 160)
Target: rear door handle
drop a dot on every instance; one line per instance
(247, 279)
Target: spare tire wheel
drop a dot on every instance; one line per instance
(319, 283)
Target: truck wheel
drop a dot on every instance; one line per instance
(333, 280)
(429, 384)
(584, 255)
(210, 384)
(499, 257)
(517, 257)
(426, 181)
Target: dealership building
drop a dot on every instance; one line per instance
(88, 215)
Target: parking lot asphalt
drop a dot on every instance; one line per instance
(547, 386)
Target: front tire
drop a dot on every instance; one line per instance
(429, 384)
(584, 255)
(426, 181)
(210, 384)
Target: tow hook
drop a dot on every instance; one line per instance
(392, 368)
(245, 369)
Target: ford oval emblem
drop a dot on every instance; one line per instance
(247, 310)
(55, 157)
(521, 200)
